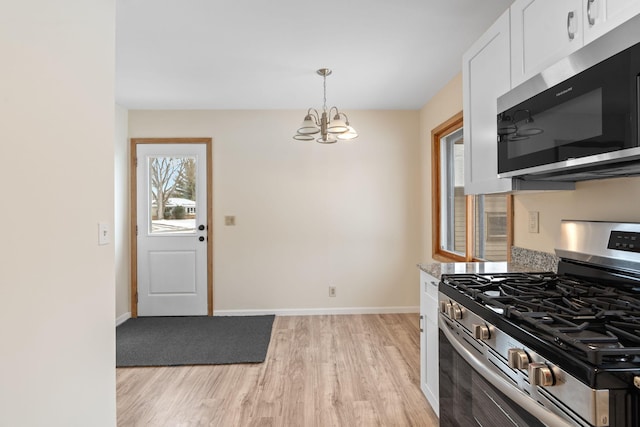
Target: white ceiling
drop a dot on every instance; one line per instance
(263, 54)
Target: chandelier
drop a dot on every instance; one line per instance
(330, 130)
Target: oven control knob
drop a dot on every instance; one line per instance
(449, 310)
(517, 358)
(481, 332)
(444, 307)
(540, 374)
(455, 312)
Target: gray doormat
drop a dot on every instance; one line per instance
(175, 341)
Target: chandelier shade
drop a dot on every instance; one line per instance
(348, 135)
(337, 125)
(330, 131)
(308, 126)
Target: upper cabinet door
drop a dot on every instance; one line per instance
(485, 76)
(601, 16)
(543, 32)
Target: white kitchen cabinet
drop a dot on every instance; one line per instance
(528, 38)
(429, 339)
(542, 33)
(601, 16)
(485, 76)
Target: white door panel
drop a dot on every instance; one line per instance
(172, 272)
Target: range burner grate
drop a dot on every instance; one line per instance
(596, 322)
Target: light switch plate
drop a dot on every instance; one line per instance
(230, 220)
(534, 222)
(104, 233)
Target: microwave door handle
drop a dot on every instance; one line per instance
(527, 403)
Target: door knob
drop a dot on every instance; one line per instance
(201, 227)
(201, 238)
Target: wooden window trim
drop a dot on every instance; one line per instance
(451, 125)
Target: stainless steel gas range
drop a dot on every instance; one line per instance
(547, 349)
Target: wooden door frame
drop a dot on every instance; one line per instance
(134, 213)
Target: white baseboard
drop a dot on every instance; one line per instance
(318, 311)
(122, 318)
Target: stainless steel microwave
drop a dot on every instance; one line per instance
(584, 126)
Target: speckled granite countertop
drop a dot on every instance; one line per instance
(524, 260)
(436, 269)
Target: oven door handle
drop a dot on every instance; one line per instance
(527, 403)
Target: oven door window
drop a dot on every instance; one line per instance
(466, 399)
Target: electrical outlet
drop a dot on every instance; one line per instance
(230, 220)
(332, 291)
(534, 224)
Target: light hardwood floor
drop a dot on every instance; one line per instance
(320, 371)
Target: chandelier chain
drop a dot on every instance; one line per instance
(324, 86)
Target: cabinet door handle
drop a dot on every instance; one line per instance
(570, 18)
(434, 283)
(590, 17)
(421, 323)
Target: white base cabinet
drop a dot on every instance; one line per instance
(429, 368)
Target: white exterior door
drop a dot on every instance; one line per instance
(171, 192)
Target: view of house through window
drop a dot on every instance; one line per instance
(485, 234)
(490, 224)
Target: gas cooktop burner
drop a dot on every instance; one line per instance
(596, 322)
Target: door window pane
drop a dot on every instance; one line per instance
(453, 204)
(490, 221)
(172, 191)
